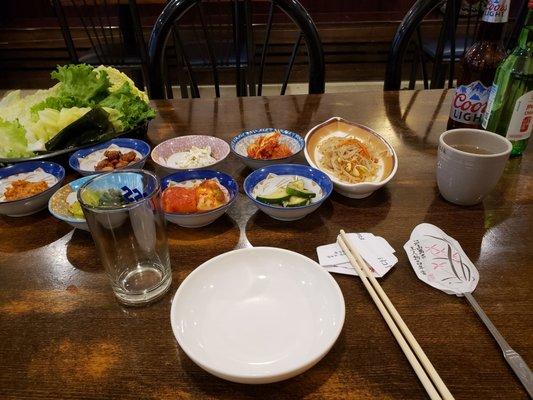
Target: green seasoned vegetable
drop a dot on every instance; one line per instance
(133, 109)
(295, 201)
(278, 197)
(13, 143)
(297, 188)
(91, 197)
(91, 127)
(110, 198)
(293, 194)
(75, 209)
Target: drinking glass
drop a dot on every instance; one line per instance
(122, 209)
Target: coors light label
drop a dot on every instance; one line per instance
(496, 11)
(469, 103)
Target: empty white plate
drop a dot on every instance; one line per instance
(257, 315)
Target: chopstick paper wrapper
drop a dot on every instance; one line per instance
(375, 250)
(439, 261)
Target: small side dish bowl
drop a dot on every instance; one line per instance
(60, 201)
(30, 205)
(265, 180)
(339, 127)
(199, 219)
(137, 145)
(163, 151)
(240, 143)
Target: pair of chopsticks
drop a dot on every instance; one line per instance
(425, 371)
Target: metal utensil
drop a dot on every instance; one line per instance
(439, 261)
(515, 361)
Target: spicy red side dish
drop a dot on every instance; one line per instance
(203, 197)
(268, 147)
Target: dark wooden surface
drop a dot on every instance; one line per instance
(63, 335)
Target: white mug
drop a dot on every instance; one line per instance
(465, 177)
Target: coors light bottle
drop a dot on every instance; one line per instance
(478, 68)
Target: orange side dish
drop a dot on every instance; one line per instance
(179, 199)
(20, 189)
(268, 147)
(209, 196)
(205, 196)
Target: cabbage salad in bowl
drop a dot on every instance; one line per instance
(87, 105)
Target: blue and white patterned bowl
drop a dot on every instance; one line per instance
(57, 204)
(197, 220)
(239, 145)
(33, 204)
(288, 213)
(134, 144)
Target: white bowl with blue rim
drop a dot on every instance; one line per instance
(264, 180)
(240, 143)
(137, 145)
(199, 219)
(61, 200)
(30, 205)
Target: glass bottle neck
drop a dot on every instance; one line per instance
(490, 31)
(525, 40)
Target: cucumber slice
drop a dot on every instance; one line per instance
(278, 197)
(299, 191)
(295, 201)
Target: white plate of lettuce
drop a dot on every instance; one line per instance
(87, 105)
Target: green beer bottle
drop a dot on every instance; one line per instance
(510, 106)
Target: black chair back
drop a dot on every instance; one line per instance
(111, 33)
(223, 41)
(438, 32)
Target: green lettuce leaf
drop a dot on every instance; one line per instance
(82, 82)
(13, 143)
(134, 110)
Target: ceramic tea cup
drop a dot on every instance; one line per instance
(470, 163)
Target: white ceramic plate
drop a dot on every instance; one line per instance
(257, 315)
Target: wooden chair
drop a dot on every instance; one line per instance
(225, 42)
(438, 31)
(112, 34)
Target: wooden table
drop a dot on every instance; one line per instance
(63, 335)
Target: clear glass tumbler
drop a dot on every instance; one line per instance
(123, 211)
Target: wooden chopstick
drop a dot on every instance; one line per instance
(399, 321)
(365, 274)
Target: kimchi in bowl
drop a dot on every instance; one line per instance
(258, 148)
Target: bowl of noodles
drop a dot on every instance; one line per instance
(358, 160)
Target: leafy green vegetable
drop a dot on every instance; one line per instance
(57, 103)
(13, 141)
(82, 82)
(118, 79)
(50, 122)
(134, 110)
(30, 123)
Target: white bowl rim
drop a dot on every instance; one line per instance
(225, 145)
(281, 373)
(347, 185)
